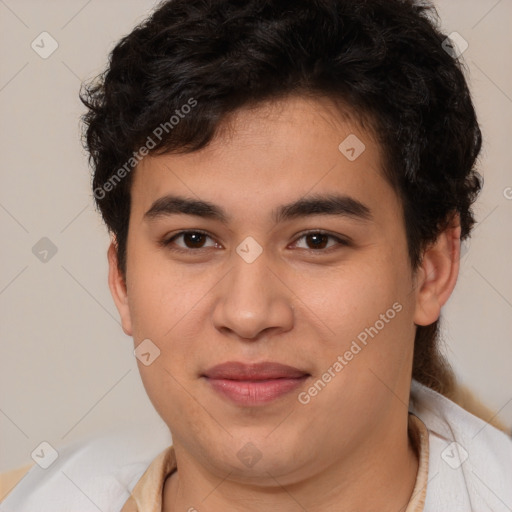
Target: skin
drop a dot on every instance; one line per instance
(294, 304)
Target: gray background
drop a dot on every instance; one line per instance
(66, 369)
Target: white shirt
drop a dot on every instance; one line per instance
(474, 475)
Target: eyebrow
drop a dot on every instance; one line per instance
(330, 204)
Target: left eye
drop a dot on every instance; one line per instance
(319, 240)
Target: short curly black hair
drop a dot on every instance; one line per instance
(385, 59)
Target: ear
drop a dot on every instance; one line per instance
(118, 289)
(437, 275)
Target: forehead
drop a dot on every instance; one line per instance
(267, 155)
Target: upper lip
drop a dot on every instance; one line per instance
(235, 370)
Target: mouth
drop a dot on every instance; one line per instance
(254, 384)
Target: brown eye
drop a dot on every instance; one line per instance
(194, 240)
(318, 241)
(190, 240)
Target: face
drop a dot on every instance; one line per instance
(298, 258)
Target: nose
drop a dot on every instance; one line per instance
(253, 300)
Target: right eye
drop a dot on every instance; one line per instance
(192, 240)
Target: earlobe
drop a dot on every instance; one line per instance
(438, 274)
(117, 285)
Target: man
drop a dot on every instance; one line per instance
(287, 185)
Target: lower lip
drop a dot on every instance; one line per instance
(255, 392)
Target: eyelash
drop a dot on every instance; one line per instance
(167, 243)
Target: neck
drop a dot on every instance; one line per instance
(377, 476)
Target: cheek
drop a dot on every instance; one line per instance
(349, 299)
(367, 314)
(171, 395)
(162, 295)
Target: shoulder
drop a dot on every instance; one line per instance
(10, 479)
(470, 461)
(96, 473)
